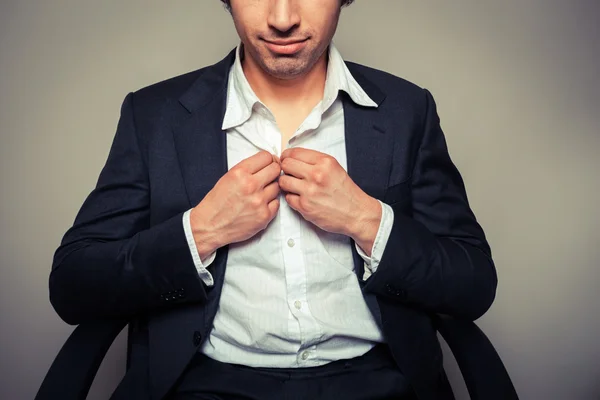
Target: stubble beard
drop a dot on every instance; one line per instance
(287, 67)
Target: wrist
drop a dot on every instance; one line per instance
(205, 236)
(366, 225)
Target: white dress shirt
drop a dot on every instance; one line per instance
(290, 295)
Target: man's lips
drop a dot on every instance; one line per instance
(286, 46)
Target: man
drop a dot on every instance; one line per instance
(278, 225)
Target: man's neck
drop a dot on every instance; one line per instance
(302, 91)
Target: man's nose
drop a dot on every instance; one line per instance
(283, 15)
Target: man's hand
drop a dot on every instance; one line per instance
(321, 190)
(242, 203)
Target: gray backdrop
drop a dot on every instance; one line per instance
(517, 87)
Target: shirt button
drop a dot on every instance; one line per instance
(291, 242)
(304, 355)
(298, 304)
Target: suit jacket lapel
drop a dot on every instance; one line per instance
(199, 139)
(369, 147)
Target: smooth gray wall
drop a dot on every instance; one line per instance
(517, 86)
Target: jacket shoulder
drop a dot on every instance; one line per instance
(171, 88)
(192, 87)
(385, 81)
(399, 93)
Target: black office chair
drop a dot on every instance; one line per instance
(71, 374)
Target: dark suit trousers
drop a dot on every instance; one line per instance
(372, 376)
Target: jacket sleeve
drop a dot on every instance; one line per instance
(111, 262)
(437, 258)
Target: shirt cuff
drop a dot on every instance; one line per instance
(200, 266)
(381, 239)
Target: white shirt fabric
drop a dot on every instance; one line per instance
(290, 295)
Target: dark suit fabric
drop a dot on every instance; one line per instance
(126, 254)
(372, 376)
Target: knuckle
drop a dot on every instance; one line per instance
(247, 187)
(255, 201)
(303, 203)
(318, 177)
(328, 161)
(266, 156)
(237, 173)
(264, 215)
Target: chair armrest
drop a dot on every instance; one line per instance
(479, 363)
(73, 370)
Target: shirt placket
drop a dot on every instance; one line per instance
(295, 269)
(303, 328)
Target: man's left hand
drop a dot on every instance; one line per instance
(320, 189)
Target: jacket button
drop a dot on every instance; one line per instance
(197, 338)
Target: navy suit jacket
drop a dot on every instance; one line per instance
(127, 256)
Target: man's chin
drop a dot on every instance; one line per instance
(288, 74)
(285, 72)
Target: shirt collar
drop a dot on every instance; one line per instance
(241, 98)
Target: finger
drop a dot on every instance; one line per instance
(300, 153)
(292, 184)
(273, 207)
(268, 174)
(271, 192)
(296, 168)
(256, 162)
(293, 200)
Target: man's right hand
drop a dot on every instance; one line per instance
(242, 203)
